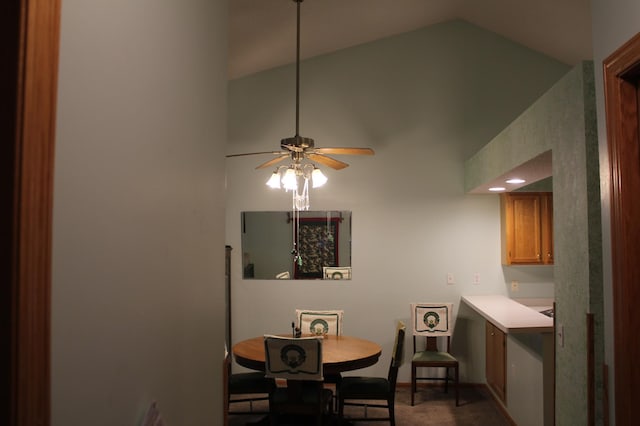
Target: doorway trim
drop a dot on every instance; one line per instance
(621, 77)
(29, 30)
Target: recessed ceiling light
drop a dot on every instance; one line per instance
(516, 180)
(497, 189)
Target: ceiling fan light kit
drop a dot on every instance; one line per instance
(318, 178)
(290, 180)
(287, 176)
(302, 151)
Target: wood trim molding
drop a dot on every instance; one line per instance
(29, 78)
(621, 71)
(591, 381)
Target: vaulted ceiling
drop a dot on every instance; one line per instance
(262, 32)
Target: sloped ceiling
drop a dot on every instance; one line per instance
(262, 32)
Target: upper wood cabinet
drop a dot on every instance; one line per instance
(527, 228)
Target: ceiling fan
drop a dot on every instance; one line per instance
(300, 148)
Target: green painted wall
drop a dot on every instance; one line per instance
(563, 120)
(524, 139)
(577, 235)
(425, 101)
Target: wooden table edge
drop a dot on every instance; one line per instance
(328, 367)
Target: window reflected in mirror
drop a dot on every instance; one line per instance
(320, 239)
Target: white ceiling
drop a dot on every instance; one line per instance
(262, 32)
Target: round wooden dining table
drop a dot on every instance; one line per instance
(339, 353)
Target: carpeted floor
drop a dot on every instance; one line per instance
(432, 407)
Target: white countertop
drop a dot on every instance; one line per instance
(509, 315)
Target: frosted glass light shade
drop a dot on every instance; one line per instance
(274, 181)
(318, 178)
(289, 180)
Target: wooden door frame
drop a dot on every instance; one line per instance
(621, 76)
(29, 30)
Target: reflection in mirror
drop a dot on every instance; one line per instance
(321, 239)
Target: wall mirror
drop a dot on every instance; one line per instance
(322, 240)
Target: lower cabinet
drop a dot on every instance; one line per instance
(496, 348)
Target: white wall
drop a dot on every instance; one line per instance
(138, 250)
(425, 101)
(614, 22)
(524, 388)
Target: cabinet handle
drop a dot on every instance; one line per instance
(538, 256)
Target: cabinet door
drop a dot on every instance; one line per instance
(523, 232)
(496, 360)
(527, 228)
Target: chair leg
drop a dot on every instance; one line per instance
(413, 383)
(457, 385)
(446, 380)
(392, 411)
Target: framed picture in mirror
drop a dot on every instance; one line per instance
(317, 245)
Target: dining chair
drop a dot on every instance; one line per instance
(322, 322)
(367, 389)
(299, 361)
(251, 387)
(432, 321)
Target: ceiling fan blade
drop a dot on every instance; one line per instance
(259, 153)
(327, 161)
(344, 151)
(273, 161)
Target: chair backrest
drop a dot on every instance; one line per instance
(336, 272)
(432, 319)
(293, 359)
(320, 322)
(398, 353)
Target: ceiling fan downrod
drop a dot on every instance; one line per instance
(297, 140)
(298, 65)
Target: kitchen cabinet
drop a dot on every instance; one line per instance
(519, 356)
(527, 228)
(496, 353)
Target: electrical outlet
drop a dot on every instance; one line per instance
(515, 285)
(450, 278)
(476, 278)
